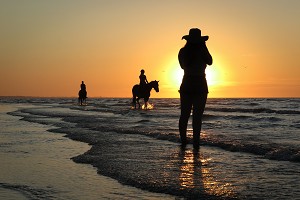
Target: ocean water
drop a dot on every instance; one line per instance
(250, 149)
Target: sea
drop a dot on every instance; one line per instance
(53, 148)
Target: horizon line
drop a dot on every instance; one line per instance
(103, 97)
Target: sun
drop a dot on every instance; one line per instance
(172, 77)
(211, 76)
(177, 75)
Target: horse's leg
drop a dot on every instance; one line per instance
(134, 101)
(79, 96)
(85, 97)
(146, 99)
(138, 101)
(80, 99)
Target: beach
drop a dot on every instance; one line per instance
(54, 149)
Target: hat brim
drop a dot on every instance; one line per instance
(195, 39)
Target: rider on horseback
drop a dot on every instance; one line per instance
(82, 86)
(143, 80)
(82, 94)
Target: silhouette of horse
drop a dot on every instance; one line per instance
(82, 96)
(139, 92)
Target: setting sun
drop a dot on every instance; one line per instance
(174, 74)
(215, 74)
(177, 76)
(211, 76)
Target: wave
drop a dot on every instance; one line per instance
(108, 123)
(252, 110)
(239, 117)
(270, 151)
(209, 117)
(30, 192)
(297, 125)
(143, 121)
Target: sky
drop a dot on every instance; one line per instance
(48, 47)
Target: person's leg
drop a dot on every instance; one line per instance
(199, 102)
(186, 106)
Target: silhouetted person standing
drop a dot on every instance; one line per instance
(193, 59)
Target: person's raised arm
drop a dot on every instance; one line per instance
(207, 56)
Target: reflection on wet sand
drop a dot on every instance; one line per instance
(196, 174)
(190, 170)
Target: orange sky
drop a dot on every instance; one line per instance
(48, 47)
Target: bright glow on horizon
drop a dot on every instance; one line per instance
(212, 76)
(177, 76)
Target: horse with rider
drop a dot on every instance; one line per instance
(143, 90)
(82, 94)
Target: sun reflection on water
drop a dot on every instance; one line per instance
(187, 170)
(148, 107)
(196, 173)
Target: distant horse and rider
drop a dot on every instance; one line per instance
(139, 91)
(82, 94)
(143, 90)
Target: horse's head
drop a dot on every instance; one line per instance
(154, 84)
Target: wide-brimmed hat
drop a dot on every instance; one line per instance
(195, 36)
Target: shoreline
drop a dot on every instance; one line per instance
(50, 163)
(100, 157)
